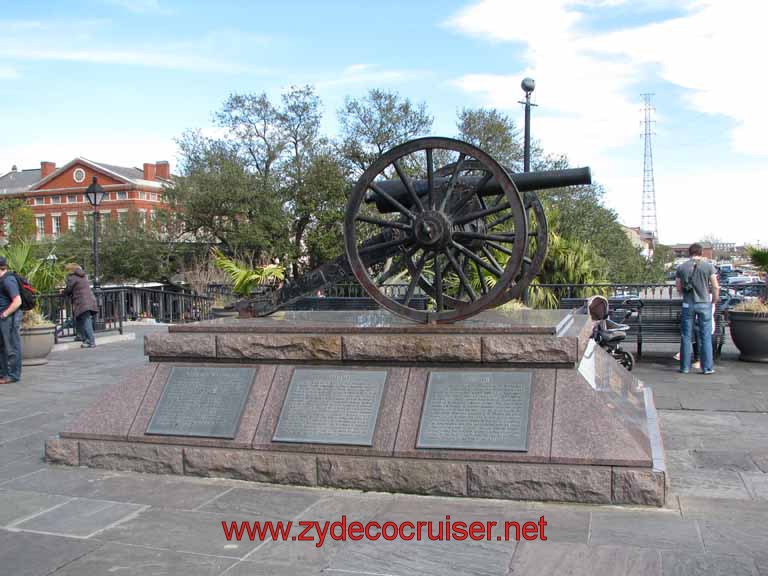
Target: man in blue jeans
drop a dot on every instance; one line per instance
(696, 280)
(10, 326)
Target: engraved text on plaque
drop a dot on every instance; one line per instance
(205, 402)
(327, 406)
(476, 411)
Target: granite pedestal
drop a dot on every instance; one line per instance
(504, 405)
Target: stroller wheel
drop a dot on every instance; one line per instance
(627, 360)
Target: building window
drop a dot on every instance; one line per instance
(122, 195)
(122, 217)
(142, 195)
(40, 223)
(72, 199)
(55, 199)
(71, 222)
(39, 201)
(78, 175)
(56, 220)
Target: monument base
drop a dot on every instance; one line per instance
(519, 405)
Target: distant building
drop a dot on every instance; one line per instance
(56, 195)
(681, 250)
(640, 239)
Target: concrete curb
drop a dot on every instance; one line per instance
(99, 341)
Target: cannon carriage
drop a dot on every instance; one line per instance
(444, 218)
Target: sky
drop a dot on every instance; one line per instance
(118, 81)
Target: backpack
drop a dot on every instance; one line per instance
(688, 282)
(26, 291)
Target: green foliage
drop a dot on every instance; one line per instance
(373, 124)
(44, 274)
(759, 258)
(244, 278)
(129, 251)
(22, 224)
(494, 132)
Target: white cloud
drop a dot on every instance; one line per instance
(590, 106)
(369, 74)
(86, 41)
(8, 73)
(138, 6)
(121, 149)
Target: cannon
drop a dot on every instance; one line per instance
(444, 218)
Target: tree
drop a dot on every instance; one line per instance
(371, 125)
(21, 221)
(494, 132)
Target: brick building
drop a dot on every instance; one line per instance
(56, 195)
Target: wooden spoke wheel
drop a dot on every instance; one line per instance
(439, 234)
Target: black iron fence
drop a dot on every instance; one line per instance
(123, 303)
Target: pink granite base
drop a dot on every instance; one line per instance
(592, 436)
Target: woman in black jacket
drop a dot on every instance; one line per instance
(84, 304)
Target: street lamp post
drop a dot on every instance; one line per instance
(528, 85)
(95, 194)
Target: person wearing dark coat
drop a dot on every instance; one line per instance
(84, 305)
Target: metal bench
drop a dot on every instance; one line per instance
(656, 321)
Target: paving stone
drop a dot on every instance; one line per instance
(20, 468)
(739, 536)
(645, 530)
(709, 483)
(25, 554)
(687, 564)
(723, 509)
(761, 460)
(131, 561)
(264, 502)
(539, 558)
(153, 489)
(425, 558)
(724, 460)
(15, 506)
(80, 517)
(194, 532)
(757, 484)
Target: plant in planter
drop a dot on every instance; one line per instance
(749, 320)
(45, 275)
(247, 279)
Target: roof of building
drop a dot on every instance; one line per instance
(16, 182)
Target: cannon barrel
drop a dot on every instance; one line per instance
(525, 182)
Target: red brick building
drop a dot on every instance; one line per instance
(56, 195)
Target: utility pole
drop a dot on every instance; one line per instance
(648, 222)
(528, 85)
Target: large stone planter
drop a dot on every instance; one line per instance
(749, 332)
(223, 313)
(36, 344)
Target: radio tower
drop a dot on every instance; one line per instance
(648, 224)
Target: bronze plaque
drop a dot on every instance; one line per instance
(328, 406)
(476, 410)
(206, 402)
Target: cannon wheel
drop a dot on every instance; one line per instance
(440, 240)
(536, 251)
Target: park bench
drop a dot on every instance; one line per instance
(655, 321)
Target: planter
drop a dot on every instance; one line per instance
(223, 313)
(36, 344)
(749, 331)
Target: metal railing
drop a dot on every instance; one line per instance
(123, 303)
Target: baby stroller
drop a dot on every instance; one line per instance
(607, 333)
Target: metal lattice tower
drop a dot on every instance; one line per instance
(648, 223)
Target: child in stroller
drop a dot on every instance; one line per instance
(607, 333)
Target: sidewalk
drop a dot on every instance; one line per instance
(65, 521)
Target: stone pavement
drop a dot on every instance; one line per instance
(77, 521)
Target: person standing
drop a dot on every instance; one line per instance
(697, 281)
(84, 304)
(10, 326)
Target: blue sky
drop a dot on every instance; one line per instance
(118, 80)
